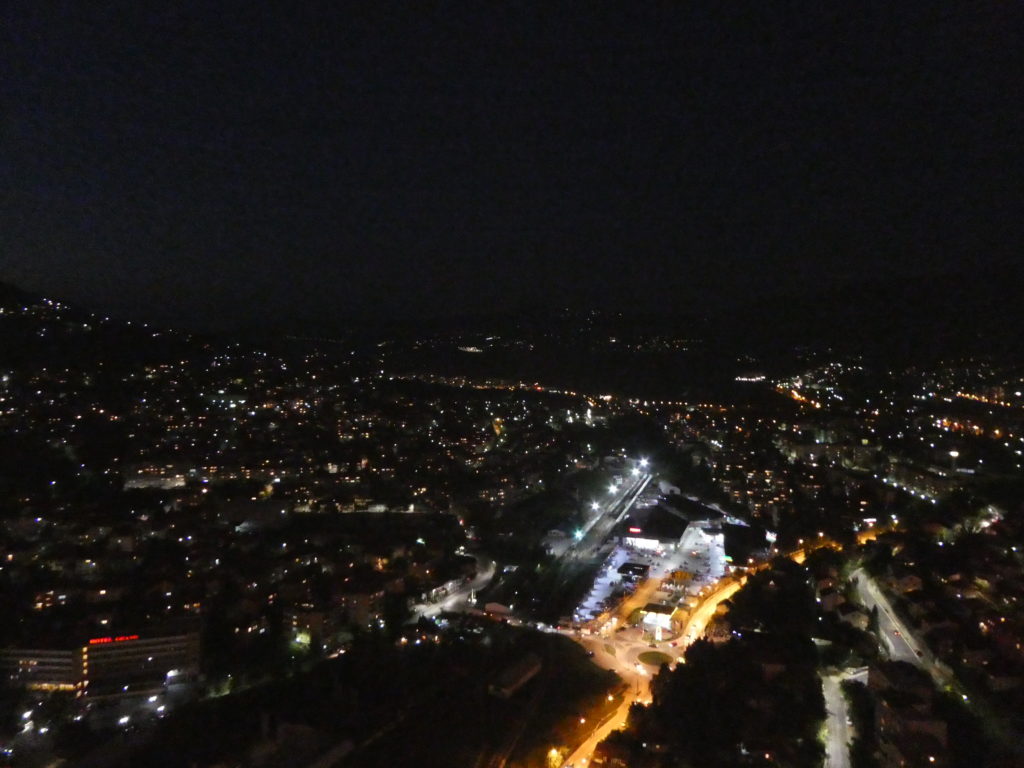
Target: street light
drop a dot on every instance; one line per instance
(594, 505)
(643, 462)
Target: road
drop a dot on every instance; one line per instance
(702, 613)
(641, 597)
(626, 649)
(620, 651)
(459, 599)
(898, 640)
(906, 646)
(619, 654)
(837, 745)
(582, 754)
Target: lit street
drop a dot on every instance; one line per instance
(702, 614)
(582, 754)
(461, 598)
(898, 641)
(618, 655)
(840, 733)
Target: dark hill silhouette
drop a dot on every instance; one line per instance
(933, 317)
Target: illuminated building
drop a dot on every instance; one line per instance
(111, 665)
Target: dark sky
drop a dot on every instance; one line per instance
(218, 165)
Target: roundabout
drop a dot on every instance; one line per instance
(654, 658)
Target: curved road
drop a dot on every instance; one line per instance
(459, 598)
(619, 653)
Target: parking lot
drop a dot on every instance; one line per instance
(685, 567)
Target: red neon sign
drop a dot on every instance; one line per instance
(118, 639)
(634, 530)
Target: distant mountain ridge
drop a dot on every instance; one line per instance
(948, 314)
(9, 293)
(52, 332)
(932, 317)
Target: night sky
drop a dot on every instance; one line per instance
(222, 166)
